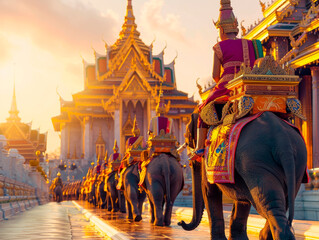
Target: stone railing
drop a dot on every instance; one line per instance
(314, 179)
(21, 185)
(15, 197)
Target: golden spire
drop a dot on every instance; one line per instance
(129, 26)
(14, 110)
(100, 139)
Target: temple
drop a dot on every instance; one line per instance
(121, 84)
(289, 32)
(21, 136)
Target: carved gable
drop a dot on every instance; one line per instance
(135, 86)
(14, 133)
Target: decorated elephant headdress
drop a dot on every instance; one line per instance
(227, 20)
(162, 108)
(115, 148)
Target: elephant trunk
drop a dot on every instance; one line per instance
(198, 202)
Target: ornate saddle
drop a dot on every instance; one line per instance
(267, 87)
(163, 143)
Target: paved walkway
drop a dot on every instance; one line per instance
(144, 230)
(59, 221)
(80, 220)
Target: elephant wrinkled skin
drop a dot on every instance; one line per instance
(164, 181)
(271, 159)
(113, 195)
(134, 198)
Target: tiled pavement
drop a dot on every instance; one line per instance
(59, 221)
(145, 231)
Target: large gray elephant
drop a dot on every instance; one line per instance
(271, 160)
(134, 197)
(113, 195)
(164, 180)
(58, 194)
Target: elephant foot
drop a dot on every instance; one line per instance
(138, 218)
(159, 223)
(152, 220)
(167, 223)
(115, 210)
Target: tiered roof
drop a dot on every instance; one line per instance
(127, 66)
(298, 20)
(21, 136)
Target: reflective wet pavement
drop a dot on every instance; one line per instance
(144, 230)
(59, 221)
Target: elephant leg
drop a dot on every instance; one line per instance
(213, 199)
(238, 221)
(132, 195)
(157, 196)
(109, 202)
(265, 233)
(270, 201)
(121, 201)
(129, 210)
(141, 197)
(151, 210)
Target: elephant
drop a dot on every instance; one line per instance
(164, 180)
(101, 192)
(113, 195)
(134, 198)
(270, 165)
(58, 195)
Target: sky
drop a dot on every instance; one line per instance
(42, 43)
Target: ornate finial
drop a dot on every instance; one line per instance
(59, 174)
(115, 148)
(153, 41)
(92, 163)
(200, 88)
(227, 20)
(176, 56)
(135, 130)
(263, 6)
(243, 29)
(164, 47)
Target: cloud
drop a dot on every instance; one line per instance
(5, 47)
(169, 25)
(55, 26)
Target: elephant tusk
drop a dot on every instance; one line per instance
(181, 148)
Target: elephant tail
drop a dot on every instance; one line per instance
(288, 163)
(167, 173)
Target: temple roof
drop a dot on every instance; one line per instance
(130, 70)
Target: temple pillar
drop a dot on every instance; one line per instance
(86, 139)
(117, 126)
(64, 142)
(305, 89)
(315, 116)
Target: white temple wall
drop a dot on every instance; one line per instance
(75, 140)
